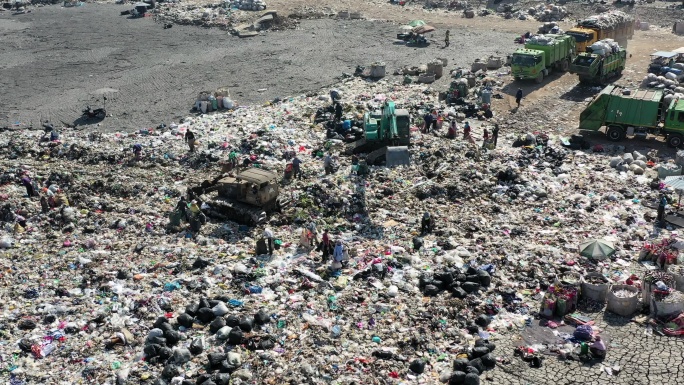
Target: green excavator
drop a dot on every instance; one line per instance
(387, 135)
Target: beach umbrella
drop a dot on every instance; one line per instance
(596, 249)
(416, 23)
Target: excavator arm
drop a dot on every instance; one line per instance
(389, 122)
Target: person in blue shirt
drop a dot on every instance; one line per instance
(296, 168)
(661, 208)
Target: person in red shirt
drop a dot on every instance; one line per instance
(326, 245)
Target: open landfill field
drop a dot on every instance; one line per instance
(159, 72)
(100, 285)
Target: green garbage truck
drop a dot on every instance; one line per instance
(541, 54)
(635, 113)
(602, 61)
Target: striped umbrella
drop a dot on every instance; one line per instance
(597, 249)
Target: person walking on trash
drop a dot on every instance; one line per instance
(313, 233)
(452, 132)
(137, 151)
(335, 95)
(190, 140)
(233, 159)
(305, 238)
(446, 38)
(182, 207)
(495, 134)
(518, 97)
(466, 131)
(328, 164)
(326, 245)
(338, 111)
(661, 209)
(296, 168)
(338, 256)
(426, 224)
(428, 122)
(269, 238)
(28, 184)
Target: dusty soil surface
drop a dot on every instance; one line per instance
(159, 72)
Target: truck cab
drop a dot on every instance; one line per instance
(584, 37)
(527, 63)
(673, 124)
(541, 54)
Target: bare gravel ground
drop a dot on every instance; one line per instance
(54, 59)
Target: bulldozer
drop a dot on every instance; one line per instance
(387, 136)
(246, 198)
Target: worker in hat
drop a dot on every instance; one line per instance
(427, 224)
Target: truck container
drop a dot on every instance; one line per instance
(597, 66)
(541, 54)
(615, 25)
(635, 113)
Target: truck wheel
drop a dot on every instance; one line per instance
(564, 65)
(674, 140)
(615, 133)
(539, 78)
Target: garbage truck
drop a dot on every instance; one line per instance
(387, 135)
(635, 113)
(541, 54)
(602, 61)
(615, 25)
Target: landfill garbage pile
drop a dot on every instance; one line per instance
(669, 81)
(607, 20)
(225, 16)
(99, 288)
(209, 15)
(549, 27)
(605, 47)
(549, 13)
(247, 5)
